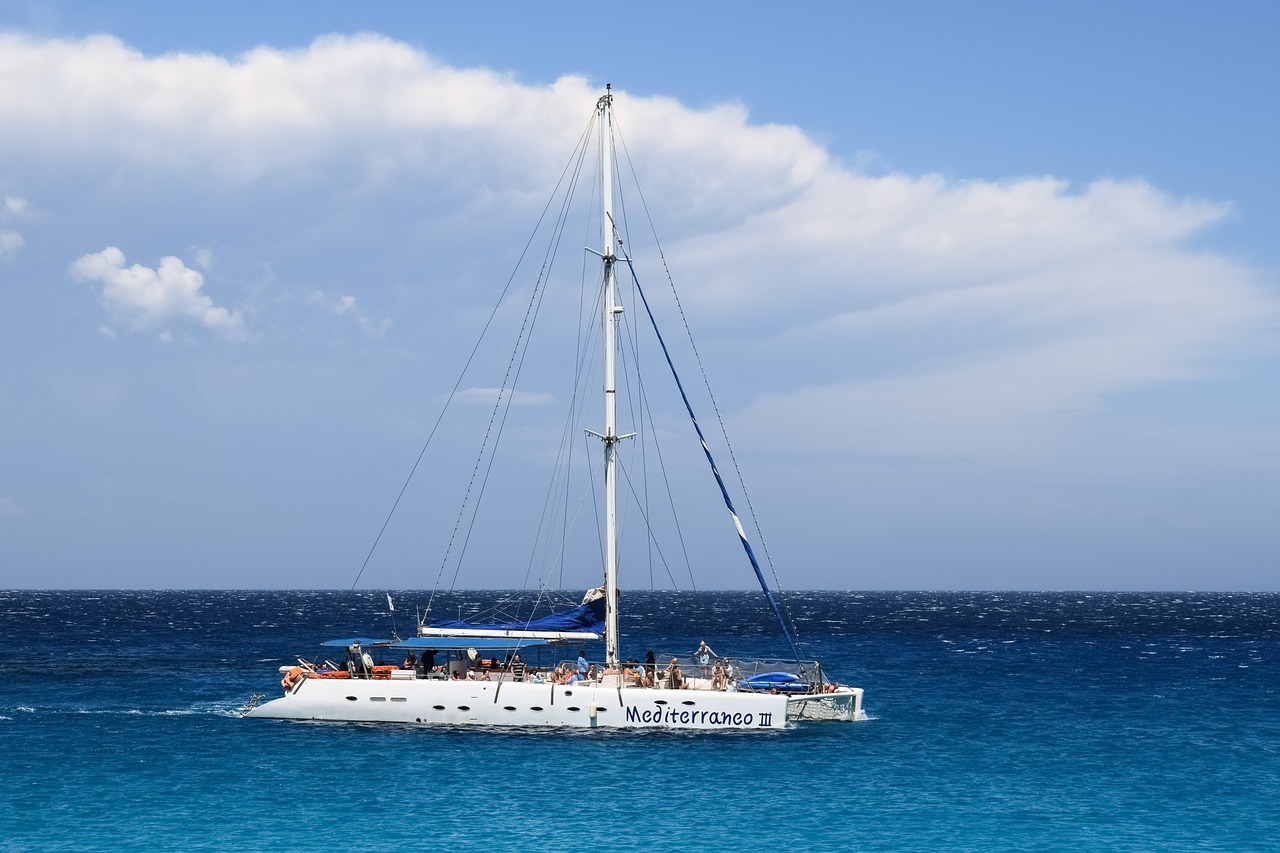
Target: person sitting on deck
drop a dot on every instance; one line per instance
(674, 677)
(410, 661)
(718, 678)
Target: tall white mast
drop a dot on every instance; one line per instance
(611, 311)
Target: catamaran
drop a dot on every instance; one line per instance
(459, 672)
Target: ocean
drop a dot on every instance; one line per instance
(999, 721)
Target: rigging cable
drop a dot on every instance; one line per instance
(467, 365)
(643, 411)
(514, 367)
(728, 501)
(783, 614)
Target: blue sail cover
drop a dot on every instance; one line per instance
(586, 618)
(451, 644)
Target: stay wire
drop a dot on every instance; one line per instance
(516, 363)
(707, 384)
(640, 405)
(466, 367)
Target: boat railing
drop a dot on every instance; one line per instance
(763, 675)
(760, 675)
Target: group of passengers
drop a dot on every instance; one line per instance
(718, 671)
(426, 665)
(715, 670)
(423, 666)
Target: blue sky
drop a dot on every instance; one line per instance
(989, 291)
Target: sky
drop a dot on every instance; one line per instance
(988, 292)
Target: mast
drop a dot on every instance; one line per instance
(610, 318)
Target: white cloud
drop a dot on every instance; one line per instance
(979, 313)
(10, 508)
(345, 306)
(15, 208)
(363, 100)
(156, 299)
(10, 243)
(908, 313)
(487, 396)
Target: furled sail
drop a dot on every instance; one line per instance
(585, 622)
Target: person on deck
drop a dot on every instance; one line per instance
(674, 676)
(353, 658)
(703, 656)
(582, 662)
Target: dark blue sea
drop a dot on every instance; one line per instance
(1000, 721)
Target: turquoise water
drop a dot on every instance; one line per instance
(1011, 721)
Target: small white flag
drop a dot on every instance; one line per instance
(390, 606)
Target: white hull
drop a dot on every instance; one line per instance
(522, 704)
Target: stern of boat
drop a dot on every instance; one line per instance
(842, 705)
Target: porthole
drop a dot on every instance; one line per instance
(438, 707)
(398, 699)
(508, 707)
(568, 693)
(659, 701)
(574, 708)
(351, 698)
(688, 702)
(377, 698)
(536, 708)
(464, 707)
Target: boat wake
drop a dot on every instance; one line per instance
(210, 709)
